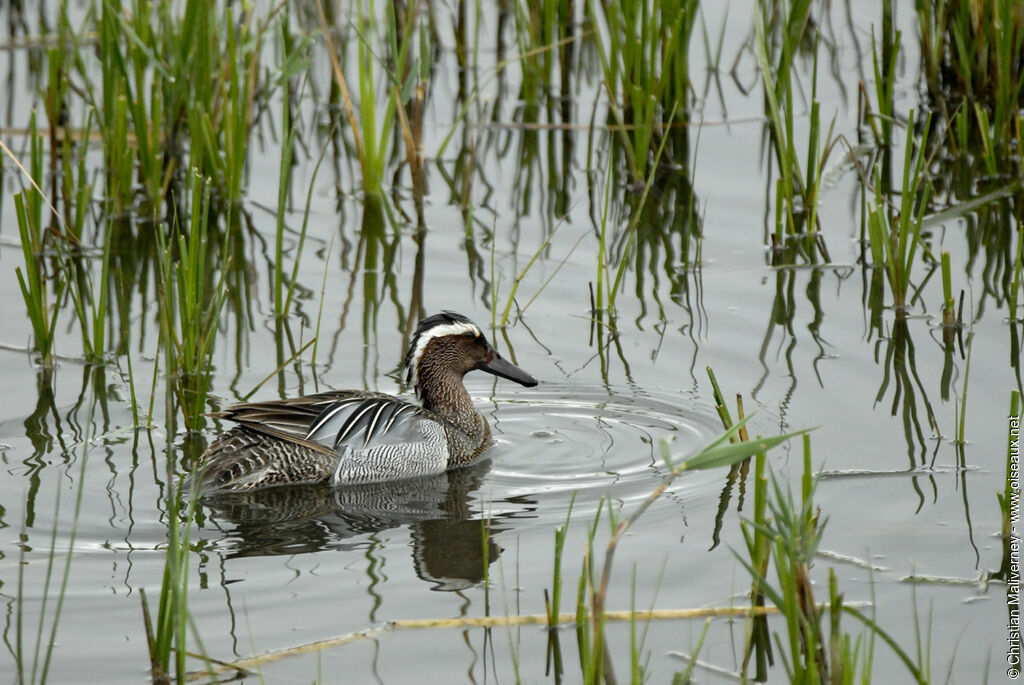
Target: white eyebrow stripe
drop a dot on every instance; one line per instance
(455, 328)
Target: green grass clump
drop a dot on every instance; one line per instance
(404, 42)
(34, 278)
(191, 293)
(595, 578)
(895, 235)
(785, 534)
(35, 286)
(972, 53)
(789, 532)
(177, 88)
(797, 190)
(644, 51)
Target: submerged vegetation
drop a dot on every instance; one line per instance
(135, 181)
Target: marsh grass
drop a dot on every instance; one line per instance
(785, 534)
(811, 649)
(35, 286)
(797, 190)
(54, 254)
(33, 277)
(595, 578)
(167, 635)
(191, 294)
(295, 61)
(406, 42)
(644, 55)
(948, 304)
(609, 287)
(177, 88)
(971, 52)
(895, 233)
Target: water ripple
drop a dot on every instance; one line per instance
(595, 440)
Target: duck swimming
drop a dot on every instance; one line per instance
(353, 436)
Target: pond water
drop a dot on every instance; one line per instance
(295, 566)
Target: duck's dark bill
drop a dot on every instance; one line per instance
(500, 367)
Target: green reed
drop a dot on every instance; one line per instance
(608, 288)
(90, 300)
(792, 530)
(970, 53)
(191, 295)
(54, 251)
(89, 296)
(537, 26)
(553, 601)
(172, 87)
(595, 577)
(758, 639)
(797, 190)
(34, 283)
(947, 290)
(759, 553)
(406, 44)
(167, 636)
(33, 279)
(786, 534)
(884, 61)
(176, 92)
(644, 54)
(895, 238)
(295, 60)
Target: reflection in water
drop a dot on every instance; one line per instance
(900, 371)
(451, 547)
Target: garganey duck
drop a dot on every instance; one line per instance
(353, 436)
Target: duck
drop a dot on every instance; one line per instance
(351, 437)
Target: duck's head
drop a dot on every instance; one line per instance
(448, 343)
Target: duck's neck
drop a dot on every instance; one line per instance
(443, 393)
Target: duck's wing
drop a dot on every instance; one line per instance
(363, 422)
(326, 421)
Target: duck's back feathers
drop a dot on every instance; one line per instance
(326, 420)
(337, 437)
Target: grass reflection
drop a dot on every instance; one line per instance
(137, 136)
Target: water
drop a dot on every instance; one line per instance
(288, 568)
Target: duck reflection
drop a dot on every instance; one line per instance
(451, 546)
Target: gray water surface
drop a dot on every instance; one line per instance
(288, 568)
